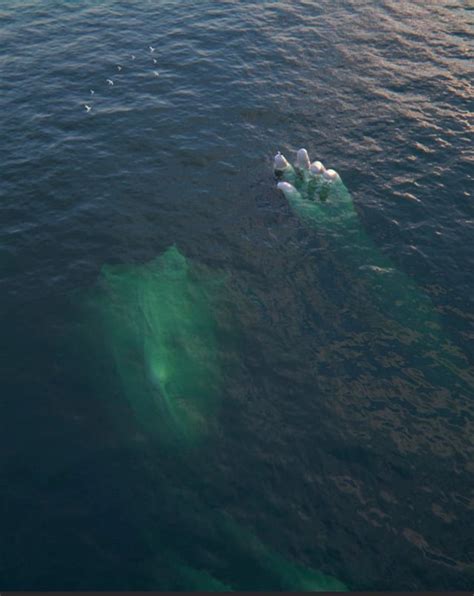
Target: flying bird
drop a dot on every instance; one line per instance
(92, 91)
(155, 60)
(156, 73)
(119, 68)
(110, 82)
(133, 57)
(88, 108)
(151, 49)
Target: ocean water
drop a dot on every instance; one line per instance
(199, 388)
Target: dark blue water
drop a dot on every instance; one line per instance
(333, 448)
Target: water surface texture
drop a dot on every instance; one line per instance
(202, 389)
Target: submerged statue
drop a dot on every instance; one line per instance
(157, 326)
(319, 197)
(154, 327)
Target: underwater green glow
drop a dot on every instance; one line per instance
(324, 203)
(261, 568)
(155, 327)
(239, 561)
(158, 324)
(200, 579)
(328, 207)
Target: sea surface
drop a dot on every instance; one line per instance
(334, 450)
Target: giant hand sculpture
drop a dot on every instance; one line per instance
(309, 181)
(319, 197)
